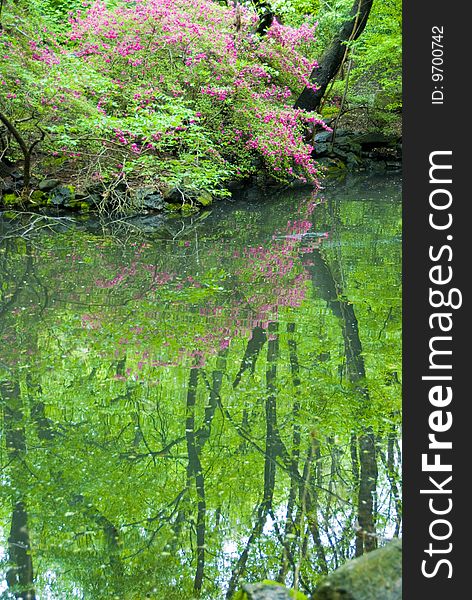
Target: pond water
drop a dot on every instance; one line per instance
(212, 401)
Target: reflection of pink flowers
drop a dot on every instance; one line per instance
(90, 322)
(271, 278)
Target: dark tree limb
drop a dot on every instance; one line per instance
(265, 506)
(26, 151)
(334, 55)
(253, 348)
(266, 16)
(296, 441)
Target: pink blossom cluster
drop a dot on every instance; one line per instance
(218, 93)
(134, 57)
(291, 36)
(189, 34)
(275, 268)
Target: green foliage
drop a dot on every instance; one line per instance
(57, 11)
(165, 94)
(377, 58)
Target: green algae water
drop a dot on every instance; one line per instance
(191, 404)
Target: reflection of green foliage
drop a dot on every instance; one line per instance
(104, 373)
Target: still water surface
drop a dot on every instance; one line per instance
(207, 402)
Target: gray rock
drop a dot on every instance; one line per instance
(47, 185)
(374, 139)
(353, 160)
(347, 144)
(323, 136)
(373, 576)
(149, 198)
(175, 196)
(322, 148)
(61, 196)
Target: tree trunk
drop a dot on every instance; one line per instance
(333, 56)
(266, 15)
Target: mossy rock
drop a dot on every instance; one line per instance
(172, 208)
(10, 199)
(205, 199)
(267, 590)
(373, 576)
(46, 185)
(188, 209)
(38, 198)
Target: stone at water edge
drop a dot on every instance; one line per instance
(149, 198)
(175, 196)
(205, 199)
(62, 196)
(376, 575)
(46, 185)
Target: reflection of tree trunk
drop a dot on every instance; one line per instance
(354, 459)
(270, 456)
(393, 478)
(44, 426)
(194, 469)
(272, 434)
(296, 439)
(332, 293)
(313, 515)
(251, 354)
(253, 348)
(197, 439)
(203, 433)
(309, 499)
(366, 538)
(20, 574)
(112, 538)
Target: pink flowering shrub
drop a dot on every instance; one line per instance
(164, 91)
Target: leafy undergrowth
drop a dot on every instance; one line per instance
(168, 93)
